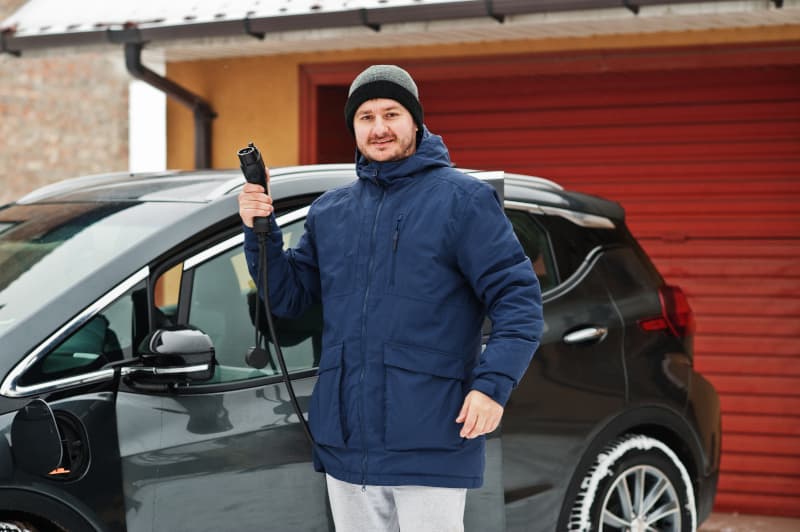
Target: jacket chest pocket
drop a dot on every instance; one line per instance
(325, 413)
(417, 263)
(424, 394)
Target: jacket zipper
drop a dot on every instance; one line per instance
(364, 338)
(395, 242)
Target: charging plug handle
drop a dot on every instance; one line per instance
(254, 170)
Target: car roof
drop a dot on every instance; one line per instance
(206, 186)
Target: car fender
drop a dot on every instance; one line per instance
(658, 420)
(6, 461)
(43, 502)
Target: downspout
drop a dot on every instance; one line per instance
(203, 113)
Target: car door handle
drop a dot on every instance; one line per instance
(586, 335)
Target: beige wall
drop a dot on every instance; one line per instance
(61, 115)
(257, 98)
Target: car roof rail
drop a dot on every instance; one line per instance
(532, 181)
(77, 183)
(521, 180)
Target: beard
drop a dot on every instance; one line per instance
(388, 148)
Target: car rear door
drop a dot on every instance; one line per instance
(576, 378)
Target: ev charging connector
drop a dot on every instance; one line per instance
(255, 172)
(258, 357)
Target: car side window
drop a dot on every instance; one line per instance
(108, 336)
(166, 294)
(536, 245)
(223, 304)
(572, 243)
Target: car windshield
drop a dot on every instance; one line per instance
(47, 248)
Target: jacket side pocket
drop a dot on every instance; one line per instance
(325, 412)
(424, 393)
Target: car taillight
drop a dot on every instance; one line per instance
(676, 314)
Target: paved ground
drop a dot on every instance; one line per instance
(749, 523)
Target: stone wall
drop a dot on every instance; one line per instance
(63, 113)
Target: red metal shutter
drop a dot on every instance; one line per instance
(706, 163)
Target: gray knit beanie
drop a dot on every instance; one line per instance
(383, 81)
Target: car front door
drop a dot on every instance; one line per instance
(228, 453)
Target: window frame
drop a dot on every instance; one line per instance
(10, 386)
(237, 240)
(579, 219)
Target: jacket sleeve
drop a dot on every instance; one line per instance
(494, 263)
(293, 274)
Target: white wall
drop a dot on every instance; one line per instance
(147, 119)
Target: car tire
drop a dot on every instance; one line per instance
(21, 524)
(631, 473)
(14, 526)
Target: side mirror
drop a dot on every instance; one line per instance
(173, 355)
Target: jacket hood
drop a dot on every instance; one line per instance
(431, 153)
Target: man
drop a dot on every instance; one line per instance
(407, 261)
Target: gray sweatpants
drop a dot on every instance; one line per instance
(395, 508)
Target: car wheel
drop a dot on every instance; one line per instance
(25, 522)
(16, 526)
(636, 484)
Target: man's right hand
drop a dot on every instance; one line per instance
(253, 202)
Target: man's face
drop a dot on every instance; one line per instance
(385, 130)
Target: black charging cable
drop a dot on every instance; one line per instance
(257, 357)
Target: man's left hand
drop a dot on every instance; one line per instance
(480, 415)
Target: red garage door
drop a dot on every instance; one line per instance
(702, 148)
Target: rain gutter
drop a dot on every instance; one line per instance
(201, 109)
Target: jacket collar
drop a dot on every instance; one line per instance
(431, 153)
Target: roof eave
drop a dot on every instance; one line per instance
(372, 18)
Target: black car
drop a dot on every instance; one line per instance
(126, 310)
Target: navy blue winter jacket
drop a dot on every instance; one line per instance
(407, 261)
